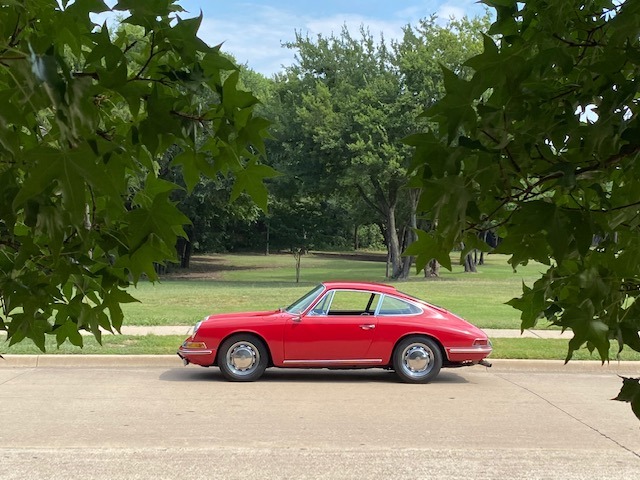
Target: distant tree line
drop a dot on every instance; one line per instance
(338, 117)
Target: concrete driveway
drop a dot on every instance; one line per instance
(151, 422)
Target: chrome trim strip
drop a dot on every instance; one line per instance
(480, 349)
(318, 362)
(195, 352)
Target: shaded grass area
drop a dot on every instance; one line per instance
(508, 348)
(258, 282)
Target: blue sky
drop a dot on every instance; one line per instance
(253, 30)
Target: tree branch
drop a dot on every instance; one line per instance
(368, 201)
(153, 54)
(571, 43)
(509, 156)
(195, 118)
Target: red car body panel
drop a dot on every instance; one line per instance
(307, 339)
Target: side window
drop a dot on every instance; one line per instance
(322, 307)
(348, 302)
(395, 306)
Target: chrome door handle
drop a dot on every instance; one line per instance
(368, 326)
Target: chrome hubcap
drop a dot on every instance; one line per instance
(242, 357)
(417, 359)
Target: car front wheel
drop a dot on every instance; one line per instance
(417, 359)
(242, 358)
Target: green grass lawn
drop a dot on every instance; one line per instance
(228, 283)
(513, 348)
(258, 282)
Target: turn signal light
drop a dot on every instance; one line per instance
(194, 345)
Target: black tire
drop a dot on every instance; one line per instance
(417, 359)
(243, 358)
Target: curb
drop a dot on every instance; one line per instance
(173, 361)
(88, 361)
(558, 366)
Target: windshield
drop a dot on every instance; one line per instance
(303, 303)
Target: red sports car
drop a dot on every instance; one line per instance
(339, 325)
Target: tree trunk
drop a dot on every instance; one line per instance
(410, 234)
(385, 201)
(469, 264)
(479, 258)
(297, 254)
(267, 234)
(186, 257)
(432, 269)
(356, 244)
(395, 255)
(183, 249)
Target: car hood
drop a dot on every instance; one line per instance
(220, 317)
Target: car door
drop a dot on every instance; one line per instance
(338, 329)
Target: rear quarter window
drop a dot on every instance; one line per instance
(396, 306)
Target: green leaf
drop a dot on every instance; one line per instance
(630, 393)
(161, 219)
(68, 330)
(112, 300)
(250, 180)
(532, 303)
(232, 97)
(426, 248)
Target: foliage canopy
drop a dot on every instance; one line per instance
(541, 146)
(86, 113)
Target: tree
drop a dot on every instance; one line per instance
(420, 56)
(216, 224)
(86, 114)
(542, 146)
(354, 99)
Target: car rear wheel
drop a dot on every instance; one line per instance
(417, 359)
(243, 358)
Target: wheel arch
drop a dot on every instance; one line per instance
(246, 332)
(443, 351)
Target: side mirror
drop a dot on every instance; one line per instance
(297, 319)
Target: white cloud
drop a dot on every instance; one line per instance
(254, 35)
(448, 11)
(334, 24)
(254, 32)
(259, 43)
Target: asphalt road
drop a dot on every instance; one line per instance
(187, 423)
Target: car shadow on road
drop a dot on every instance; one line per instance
(285, 375)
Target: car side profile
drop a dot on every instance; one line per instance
(339, 325)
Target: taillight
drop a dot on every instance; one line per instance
(481, 342)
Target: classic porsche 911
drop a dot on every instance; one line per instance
(339, 325)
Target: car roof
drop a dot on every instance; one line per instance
(372, 286)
